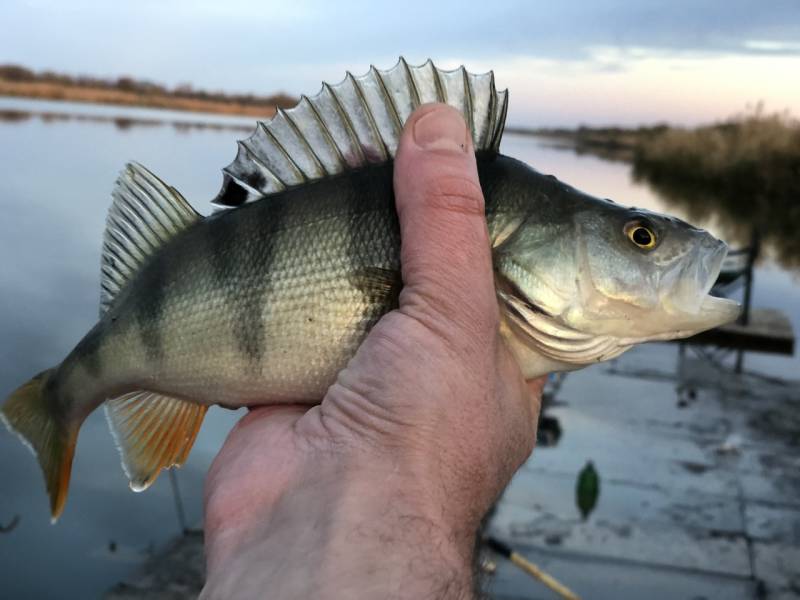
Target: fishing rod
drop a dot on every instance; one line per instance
(530, 568)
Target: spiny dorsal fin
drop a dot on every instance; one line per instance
(355, 123)
(145, 212)
(152, 432)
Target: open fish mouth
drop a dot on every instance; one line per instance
(717, 310)
(693, 313)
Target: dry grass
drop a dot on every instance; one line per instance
(55, 91)
(752, 150)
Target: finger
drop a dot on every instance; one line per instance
(445, 254)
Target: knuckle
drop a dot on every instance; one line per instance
(456, 193)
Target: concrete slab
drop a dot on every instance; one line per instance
(773, 524)
(691, 531)
(639, 436)
(777, 566)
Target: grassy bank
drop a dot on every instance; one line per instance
(757, 156)
(22, 82)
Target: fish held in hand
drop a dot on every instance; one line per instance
(266, 300)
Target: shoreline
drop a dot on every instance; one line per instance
(36, 90)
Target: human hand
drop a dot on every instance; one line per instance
(380, 489)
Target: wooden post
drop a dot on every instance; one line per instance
(748, 281)
(748, 290)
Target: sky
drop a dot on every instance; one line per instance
(565, 63)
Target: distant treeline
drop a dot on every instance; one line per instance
(611, 143)
(21, 81)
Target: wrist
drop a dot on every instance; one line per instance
(346, 530)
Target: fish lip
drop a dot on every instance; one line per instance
(715, 266)
(719, 310)
(710, 267)
(714, 312)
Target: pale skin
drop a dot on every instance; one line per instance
(378, 492)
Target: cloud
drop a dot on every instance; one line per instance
(263, 47)
(216, 43)
(772, 46)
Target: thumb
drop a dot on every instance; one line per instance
(445, 254)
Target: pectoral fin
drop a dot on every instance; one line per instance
(153, 432)
(381, 286)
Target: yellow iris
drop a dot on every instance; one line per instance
(641, 235)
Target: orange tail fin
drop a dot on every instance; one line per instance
(32, 414)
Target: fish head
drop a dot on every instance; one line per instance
(643, 276)
(592, 278)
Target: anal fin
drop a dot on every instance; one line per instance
(153, 432)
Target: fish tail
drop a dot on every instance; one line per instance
(33, 413)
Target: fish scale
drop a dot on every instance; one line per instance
(266, 300)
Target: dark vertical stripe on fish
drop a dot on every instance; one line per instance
(240, 250)
(376, 270)
(149, 310)
(88, 351)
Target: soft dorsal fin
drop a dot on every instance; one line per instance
(145, 212)
(355, 123)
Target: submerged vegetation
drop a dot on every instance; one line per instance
(743, 172)
(20, 81)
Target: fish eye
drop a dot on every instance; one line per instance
(641, 234)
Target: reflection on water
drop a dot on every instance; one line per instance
(741, 215)
(12, 115)
(56, 177)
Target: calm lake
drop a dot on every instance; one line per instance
(55, 179)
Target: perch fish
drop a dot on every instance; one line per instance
(265, 300)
